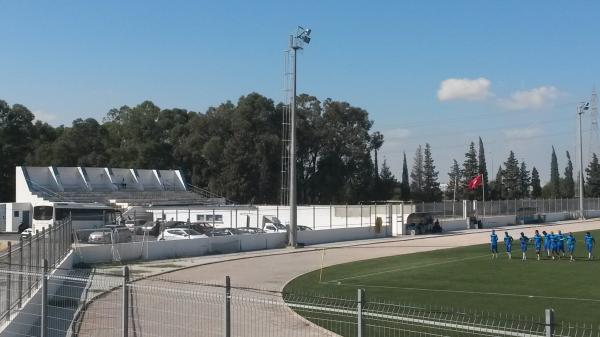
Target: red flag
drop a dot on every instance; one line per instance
(475, 182)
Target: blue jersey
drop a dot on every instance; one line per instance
(547, 241)
(537, 240)
(571, 241)
(589, 240)
(494, 239)
(524, 241)
(554, 241)
(561, 240)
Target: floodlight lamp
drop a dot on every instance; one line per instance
(307, 31)
(306, 39)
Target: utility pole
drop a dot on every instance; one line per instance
(297, 41)
(581, 108)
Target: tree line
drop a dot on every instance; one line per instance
(233, 149)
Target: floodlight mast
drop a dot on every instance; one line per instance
(581, 108)
(301, 37)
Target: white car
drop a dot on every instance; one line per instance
(274, 228)
(180, 234)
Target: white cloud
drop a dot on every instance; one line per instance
(395, 135)
(464, 89)
(534, 99)
(523, 133)
(43, 116)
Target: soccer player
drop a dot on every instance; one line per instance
(508, 243)
(547, 240)
(590, 242)
(524, 241)
(494, 244)
(561, 243)
(571, 245)
(554, 245)
(537, 241)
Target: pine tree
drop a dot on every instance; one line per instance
(483, 168)
(536, 186)
(416, 175)
(593, 178)
(568, 190)
(454, 177)
(524, 180)
(431, 186)
(387, 182)
(511, 177)
(554, 176)
(470, 171)
(405, 185)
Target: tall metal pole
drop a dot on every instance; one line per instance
(293, 240)
(581, 216)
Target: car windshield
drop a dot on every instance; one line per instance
(279, 226)
(190, 232)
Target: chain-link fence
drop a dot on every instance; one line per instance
(517, 207)
(84, 303)
(20, 263)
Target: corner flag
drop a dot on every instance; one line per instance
(475, 182)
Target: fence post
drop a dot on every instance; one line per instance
(37, 255)
(313, 216)
(44, 318)
(227, 321)
(361, 215)
(20, 289)
(359, 312)
(8, 278)
(43, 243)
(549, 323)
(346, 215)
(30, 258)
(330, 217)
(125, 314)
(50, 260)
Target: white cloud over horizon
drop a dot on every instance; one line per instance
(532, 99)
(464, 89)
(523, 133)
(43, 116)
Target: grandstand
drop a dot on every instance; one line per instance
(115, 186)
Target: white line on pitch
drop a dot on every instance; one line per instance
(474, 292)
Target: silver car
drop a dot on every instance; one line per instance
(111, 234)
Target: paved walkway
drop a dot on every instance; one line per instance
(272, 270)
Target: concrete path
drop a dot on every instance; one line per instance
(263, 314)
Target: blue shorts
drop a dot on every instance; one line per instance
(508, 248)
(589, 248)
(571, 248)
(524, 248)
(494, 247)
(538, 247)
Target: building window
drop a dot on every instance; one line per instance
(216, 217)
(199, 217)
(16, 214)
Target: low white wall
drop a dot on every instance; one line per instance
(559, 216)
(449, 225)
(157, 250)
(26, 321)
(498, 221)
(342, 234)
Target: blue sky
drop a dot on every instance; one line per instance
(516, 69)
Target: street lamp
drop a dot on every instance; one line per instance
(581, 108)
(297, 41)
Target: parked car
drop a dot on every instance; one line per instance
(201, 227)
(221, 232)
(247, 230)
(304, 228)
(26, 233)
(134, 225)
(274, 228)
(108, 234)
(420, 222)
(179, 234)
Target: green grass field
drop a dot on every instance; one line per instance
(467, 278)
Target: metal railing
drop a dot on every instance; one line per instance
(20, 262)
(85, 303)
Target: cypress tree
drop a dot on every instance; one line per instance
(568, 182)
(554, 176)
(405, 185)
(536, 185)
(498, 188)
(431, 186)
(483, 167)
